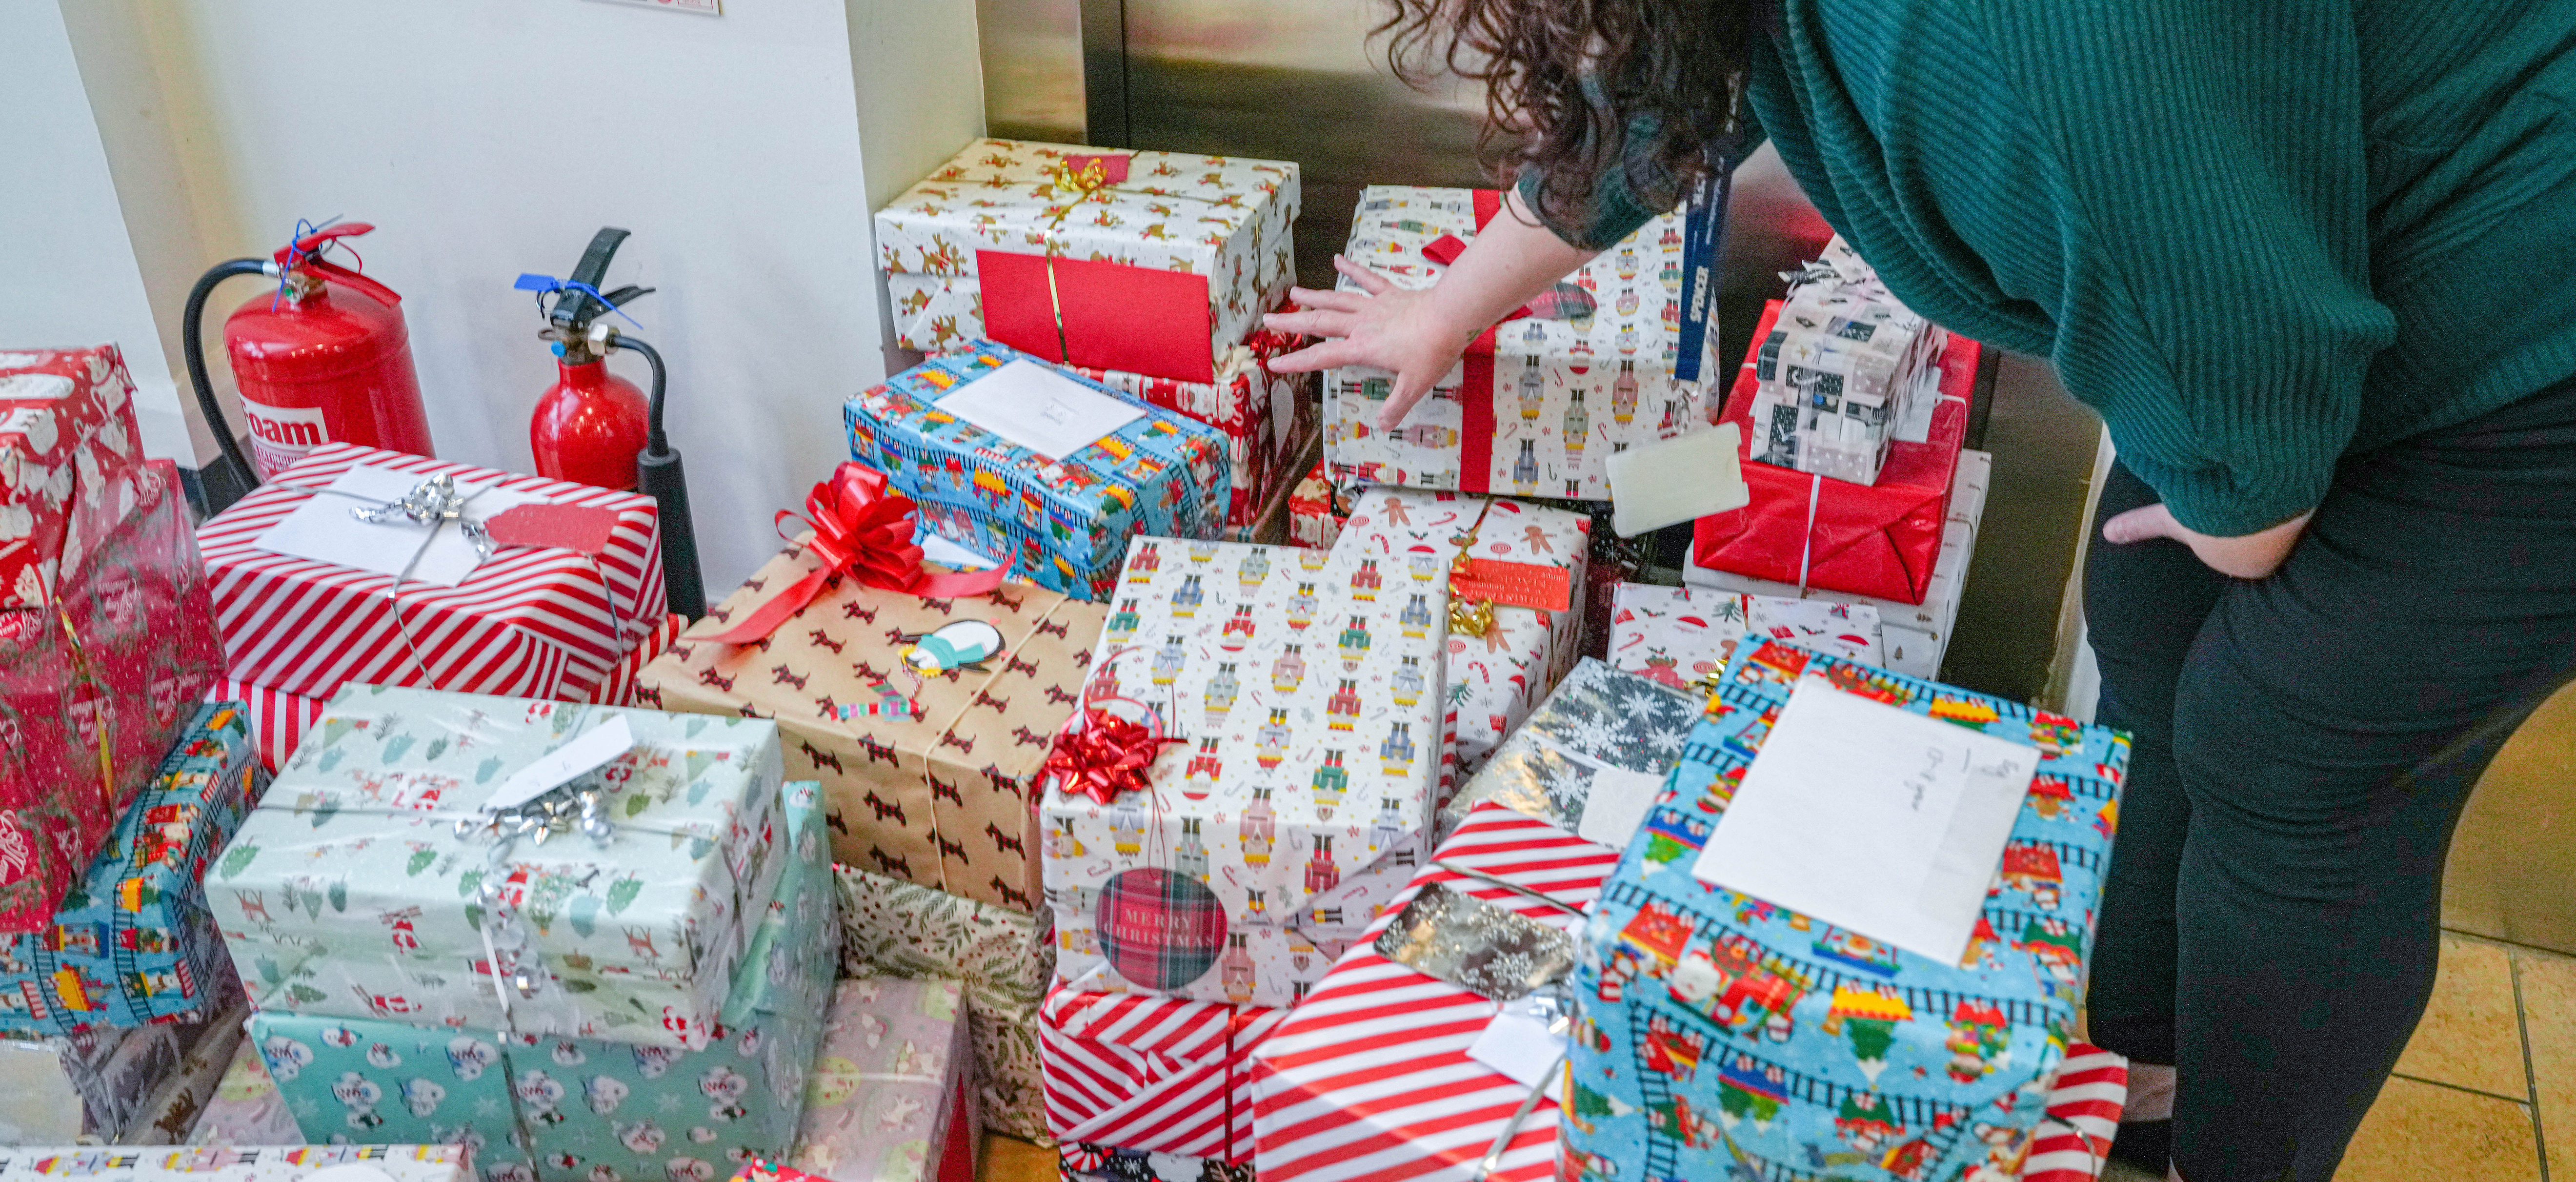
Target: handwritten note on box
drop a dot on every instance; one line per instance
(1872, 818)
(1039, 409)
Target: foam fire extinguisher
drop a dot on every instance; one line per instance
(594, 427)
(324, 358)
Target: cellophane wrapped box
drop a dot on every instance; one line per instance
(67, 441)
(1612, 358)
(1255, 408)
(1681, 637)
(107, 1082)
(531, 621)
(1604, 734)
(561, 1109)
(1151, 1074)
(266, 1163)
(1842, 372)
(929, 776)
(1879, 540)
(1306, 687)
(1148, 262)
(889, 1099)
(352, 892)
(134, 943)
(1061, 522)
(96, 687)
(1316, 511)
(1720, 1031)
(1913, 636)
(1526, 561)
(1004, 960)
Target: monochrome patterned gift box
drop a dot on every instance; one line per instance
(1681, 637)
(1600, 726)
(106, 1082)
(1149, 262)
(888, 1100)
(1719, 1030)
(182, 1093)
(1061, 522)
(1616, 356)
(579, 1110)
(67, 438)
(350, 893)
(1306, 689)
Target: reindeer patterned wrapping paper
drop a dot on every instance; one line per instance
(924, 719)
(1224, 220)
(225, 1163)
(1722, 1033)
(1682, 636)
(1306, 689)
(182, 1095)
(109, 1082)
(350, 892)
(67, 436)
(887, 1099)
(1061, 522)
(576, 1110)
(1003, 957)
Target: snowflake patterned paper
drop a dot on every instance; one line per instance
(1599, 720)
(1682, 636)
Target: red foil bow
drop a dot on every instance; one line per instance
(863, 529)
(1101, 754)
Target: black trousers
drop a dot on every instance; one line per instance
(2304, 744)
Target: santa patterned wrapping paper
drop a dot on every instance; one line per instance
(67, 438)
(1601, 731)
(1720, 1031)
(1061, 522)
(247, 1109)
(1149, 262)
(1255, 408)
(1155, 1074)
(134, 943)
(350, 892)
(1521, 556)
(103, 1082)
(1306, 689)
(1681, 637)
(1316, 511)
(926, 719)
(94, 690)
(1613, 358)
(888, 1097)
(530, 621)
(1004, 959)
(578, 1110)
(224, 1163)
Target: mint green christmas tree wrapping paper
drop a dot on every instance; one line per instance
(369, 885)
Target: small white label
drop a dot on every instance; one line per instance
(558, 767)
(1518, 1044)
(1616, 806)
(1034, 406)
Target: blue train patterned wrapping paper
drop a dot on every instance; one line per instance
(581, 1110)
(133, 941)
(1725, 1038)
(1061, 521)
(350, 893)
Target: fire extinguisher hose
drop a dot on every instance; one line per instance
(658, 475)
(191, 339)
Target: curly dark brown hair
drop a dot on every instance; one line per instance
(1583, 79)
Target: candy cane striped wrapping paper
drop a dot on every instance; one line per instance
(530, 622)
(1369, 1077)
(1160, 1074)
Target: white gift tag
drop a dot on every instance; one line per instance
(1034, 406)
(558, 767)
(1616, 805)
(1518, 1044)
(1683, 478)
(947, 553)
(323, 529)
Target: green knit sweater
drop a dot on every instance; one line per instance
(2254, 236)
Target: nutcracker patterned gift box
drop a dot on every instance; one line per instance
(889, 1099)
(1003, 958)
(134, 943)
(95, 689)
(1614, 357)
(1304, 688)
(1151, 1075)
(354, 892)
(926, 717)
(312, 597)
(1603, 733)
(563, 1109)
(1681, 637)
(1149, 262)
(267, 1163)
(976, 467)
(67, 440)
(1720, 1031)
(1255, 408)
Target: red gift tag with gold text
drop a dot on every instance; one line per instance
(1532, 585)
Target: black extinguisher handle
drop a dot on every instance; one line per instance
(192, 344)
(658, 475)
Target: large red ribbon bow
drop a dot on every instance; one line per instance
(1100, 754)
(863, 529)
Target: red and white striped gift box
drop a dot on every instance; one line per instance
(530, 622)
(1369, 1077)
(1158, 1074)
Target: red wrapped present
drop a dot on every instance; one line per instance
(1151, 1074)
(95, 686)
(564, 594)
(1815, 531)
(1316, 511)
(67, 434)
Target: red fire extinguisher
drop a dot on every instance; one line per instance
(324, 358)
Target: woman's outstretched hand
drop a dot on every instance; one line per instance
(2252, 556)
(1381, 326)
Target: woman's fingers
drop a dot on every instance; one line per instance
(1336, 301)
(1410, 387)
(1369, 281)
(1313, 324)
(1318, 356)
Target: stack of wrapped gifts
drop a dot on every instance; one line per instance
(1844, 372)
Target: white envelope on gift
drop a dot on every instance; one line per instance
(325, 530)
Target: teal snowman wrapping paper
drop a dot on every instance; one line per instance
(1724, 1037)
(540, 1107)
(369, 884)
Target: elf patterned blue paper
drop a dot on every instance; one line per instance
(1062, 521)
(133, 942)
(536, 1107)
(1725, 1038)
